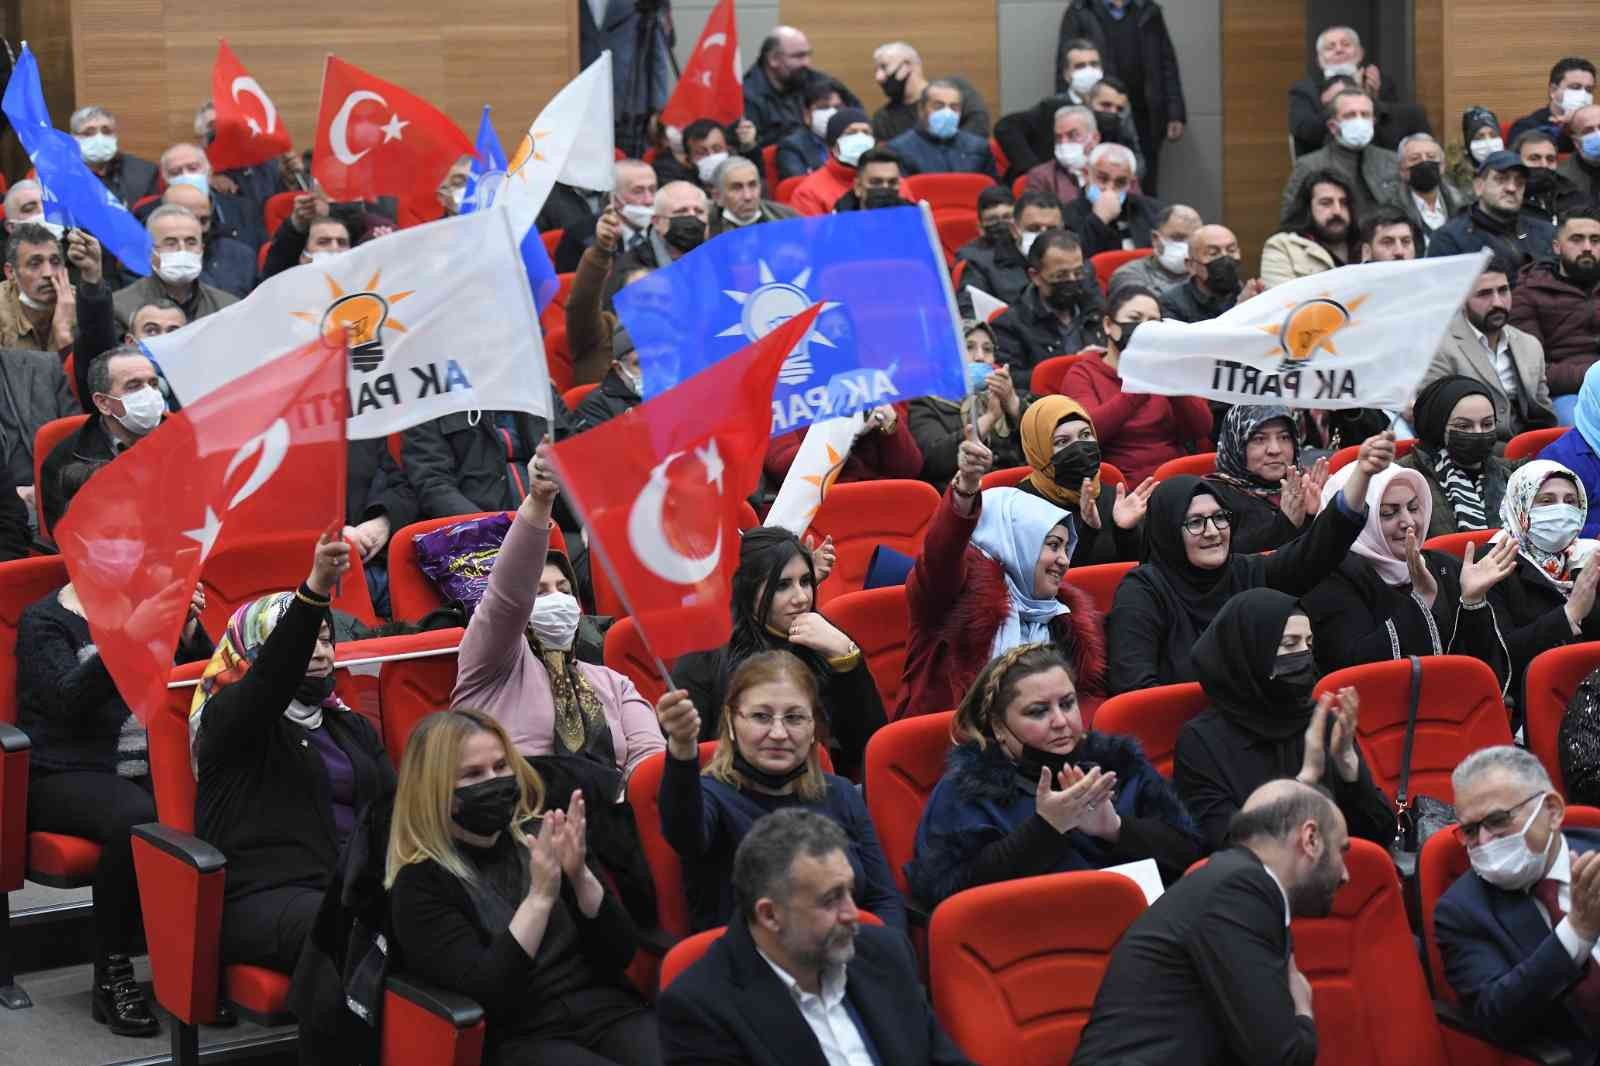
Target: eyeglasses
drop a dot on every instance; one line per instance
(792, 723)
(1496, 822)
(1219, 520)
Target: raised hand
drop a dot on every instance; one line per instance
(813, 631)
(1291, 497)
(83, 252)
(1066, 808)
(64, 323)
(568, 840)
(1346, 709)
(1423, 583)
(1315, 761)
(973, 460)
(1089, 502)
(1130, 507)
(608, 230)
(331, 560)
(1312, 483)
(1585, 910)
(1003, 392)
(680, 724)
(1580, 601)
(823, 556)
(544, 865)
(1478, 576)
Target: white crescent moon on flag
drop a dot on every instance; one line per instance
(645, 535)
(247, 84)
(337, 129)
(715, 40)
(273, 446)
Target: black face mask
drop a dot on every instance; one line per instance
(1425, 176)
(1222, 275)
(1063, 296)
(757, 776)
(685, 233)
(877, 198)
(1293, 677)
(1033, 759)
(486, 807)
(894, 86)
(313, 690)
(1109, 124)
(1469, 449)
(1541, 181)
(999, 233)
(1074, 462)
(1128, 329)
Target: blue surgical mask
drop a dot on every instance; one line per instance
(194, 181)
(943, 123)
(1589, 145)
(1093, 193)
(977, 375)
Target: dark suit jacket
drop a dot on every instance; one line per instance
(1507, 966)
(1200, 978)
(729, 1008)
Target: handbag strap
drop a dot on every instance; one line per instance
(1402, 801)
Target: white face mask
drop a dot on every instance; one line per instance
(1174, 254)
(1355, 133)
(819, 120)
(852, 145)
(1347, 70)
(31, 304)
(638, 215)
(555, 620)
(98, 148)
(321, 257)
(1026, 241)
(708, 164)
(1507, 861)
(1573, 99)
(1483, 149)
(142, 410)
(1554, 526)
(178, 267)
(194, 181)
(1070, 155)
(56, 229)
(1086, 78)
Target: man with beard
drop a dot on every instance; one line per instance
(1556, 303)
(797, 979)
(1482, 345)
(1207, 974)
(1497, 221)
(775, 85)
(1214, 284)
(1319, 234)
(1550, 192)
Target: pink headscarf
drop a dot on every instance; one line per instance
(1371, 545)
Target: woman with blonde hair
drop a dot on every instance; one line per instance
(767, 758)
(512, 918)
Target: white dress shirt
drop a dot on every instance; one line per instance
(1561, 872)
(1504, 365)
(1432, 217)
(827, 1016)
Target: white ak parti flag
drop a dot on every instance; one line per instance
(439, 318)
(572, 141)
(1358, 336)
(815, 468)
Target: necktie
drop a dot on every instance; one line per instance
(1586, 993)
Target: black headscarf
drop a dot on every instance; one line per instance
(1200, 592)
(1241, 423)
(1434, 404)
(1233, 661)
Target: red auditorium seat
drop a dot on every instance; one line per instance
(276, 210)
(1345, 456)
(558, 356)
(1099, 581)
(769, 165)
(864, 514)
(1046, 377)
(551, 238)
(958, 191)
(574, 396)
(411, 594)
(1012, 476)
(45, 440)
(877, 621)
(1529, 444)
(555, 313)
(242, 569)
(1105, 264)
(1553, 677)
(1199, 465)
(626, 653)
(1456, 543)
(1154, 717)
(686, 952)
(411, 689)
(905, 759)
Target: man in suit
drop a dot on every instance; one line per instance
(796, 980)
(1518, 930)
(1482, 345)
(1207, 975)
(1425, 196)
(1373, 172)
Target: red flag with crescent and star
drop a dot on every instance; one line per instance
(375, 139)
(711, 85)
(249, 128)
(264, 455)
(666, 522)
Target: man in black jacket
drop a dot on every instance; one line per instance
(129, 178)
(775, 85)
(1341, 61)
(1571, 89)
(937, 144)
(33, 391)
(796, 980)
(1110, 216)
(1059, 312)
(1497, 221)
(995, 262)
(618, 391)
(473, 461)
(1207, 975)
(1214, 284)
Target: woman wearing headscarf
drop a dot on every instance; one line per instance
(1255, 662)
(989, 578)
(1190, 570)
(1258, 479)
(1549, 599)
(1389, 599)
(939, 425)
(1578, 449)
(1456, 436)
(283, 767)
(1480, 133)
(1059, 443)
(774, 609)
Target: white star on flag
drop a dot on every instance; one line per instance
(255, 127)
(206, 535)
(391, 132)
(708, 455)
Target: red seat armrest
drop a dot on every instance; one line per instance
(181, 879)
(425, 1024)
(14, 747)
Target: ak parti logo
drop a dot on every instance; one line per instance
(1311, 325)
(359, 319)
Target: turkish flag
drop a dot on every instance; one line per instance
(264, 454)
(666, 521)
(248, 126)
(711, 85)
(375, 139)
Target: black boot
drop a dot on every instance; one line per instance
(118, 1001)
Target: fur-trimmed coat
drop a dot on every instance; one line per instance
(957, 599)
(980, 824)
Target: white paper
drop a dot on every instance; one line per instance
(1144, 874)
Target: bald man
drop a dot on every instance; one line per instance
(227, 264)
(775, 85)
(1207, 975)
(1215, 266)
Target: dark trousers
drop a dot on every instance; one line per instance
(268, 928)
(604, 1027)
(1150, 142)
(102, 807)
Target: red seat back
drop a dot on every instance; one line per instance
(1099, 581)
(1046, 377)
(1106, 263)
(1015, 966)
(627, 654)
(686, 952)
(574, 396)
(905, 759)
(22, 581)
(45, 440)
(1553, 677)
(955, 191)
(1002, 162)
(1456, 543)
(279, 206)
(1198, 465)
(877, 620)
(1459, 710)
(864, 514)
(558, 356)
(644, 796)
(411, 594)
(1345, 456)
(1154, 717)
(552, 240)
(1012, 476)
(412, 689)
(769, 166)
(1526, 445)
(955, 228)
(555, 313)
(242, 569)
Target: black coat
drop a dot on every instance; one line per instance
(1258, 525)
(15, 540)
(1308, 119)
(1184, 302)
(1027, 333)
(778, 114)
(730, 1009)
(800, 153)
(375, 485)
(998, 269)
(938, 428)
(1139, 212)
(1199, 977)
(1157, 85)
(229, 265)
(130, 178)
(922, 153)
(89, 443)
(1520, 242)
(1531, 613)
(458, 464)
(263, 796)
(612, 397)
(33, 391)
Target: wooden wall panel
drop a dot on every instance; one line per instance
(1500, 58)
(511, 54)
(1428, 64)
(952, 36)
(1262, 55)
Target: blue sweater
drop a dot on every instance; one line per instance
(1572, 451)
(704, 820)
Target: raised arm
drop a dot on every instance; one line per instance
(495, 637)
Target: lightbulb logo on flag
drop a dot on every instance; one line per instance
(358, 318)
(770, 305)
(1310, 325)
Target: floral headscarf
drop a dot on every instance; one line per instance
(1516, 513)
(1242, 421)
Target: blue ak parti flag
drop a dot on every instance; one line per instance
(483, 185)
(73, 196)
(887, 332)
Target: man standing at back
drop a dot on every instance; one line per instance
(1207, 975)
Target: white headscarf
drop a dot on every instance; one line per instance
(1012, 526)
(1516, 512)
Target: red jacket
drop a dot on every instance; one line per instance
(874, 457)
(1138, 432)
(1562, 317)
(956, 597)
(822, 188)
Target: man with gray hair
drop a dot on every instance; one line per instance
(736, 190)
(1518, 931)
(1428, 198)
(938, 144)
(1341, 62)
(176, 260)
(1207, 974)
(1064, 173)
(231, 216)
(1168, 266)
(798, 979)
(897, 68)
(1110, 216)
(677, 227)
(129, 178)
